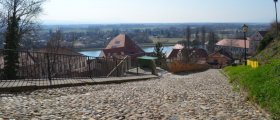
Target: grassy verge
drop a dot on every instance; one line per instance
(262, 84)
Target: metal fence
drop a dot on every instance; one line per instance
(42, 66)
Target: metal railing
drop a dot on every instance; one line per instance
(52, 67)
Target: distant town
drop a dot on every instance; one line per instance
(88, 37)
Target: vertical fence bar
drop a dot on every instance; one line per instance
(49, 69)
(137, 65)
(88, 62)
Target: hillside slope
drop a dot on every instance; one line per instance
(271, 52)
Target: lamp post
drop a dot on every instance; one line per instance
(245, 30)
(275, 2)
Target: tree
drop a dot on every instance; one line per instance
(158, 50)
(18, 18)
(55, 41)
(186, 49)
(212, 40)
(275, 1)
(188, 37)
(196, 42)
(203, 37)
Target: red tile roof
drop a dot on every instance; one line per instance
(122, 44)
(173, 53)
(239, 43)
(222, 52)
(178, 46)
(64, 51)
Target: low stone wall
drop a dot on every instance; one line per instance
(176, 67)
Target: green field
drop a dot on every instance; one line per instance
(166, 40)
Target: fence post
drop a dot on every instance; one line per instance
(49, 69)
(88, 62)
(117, 67)
(137, 67)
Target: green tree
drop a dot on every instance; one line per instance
(18, 19)
(11, 56)
(158, 51)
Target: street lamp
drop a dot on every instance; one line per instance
(245, 30)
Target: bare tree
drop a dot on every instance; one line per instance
(203, 37)
(53, 58)
(196, 41)
(185, 51)
(212, 39)
(55, 42)
(26, 11)
(18, 18)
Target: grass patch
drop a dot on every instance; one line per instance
(166, 40)
(262, 84)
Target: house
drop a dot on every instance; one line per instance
(175, 51)
(255, 40)
(195, 55)
(235, 46)
(198, 55)
(62, 61)
(122, 45)
(259, 35)
(220, 58)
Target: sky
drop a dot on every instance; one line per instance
(157, 11)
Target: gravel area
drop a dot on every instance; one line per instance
(204, 95)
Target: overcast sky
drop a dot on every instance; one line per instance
(157, 11)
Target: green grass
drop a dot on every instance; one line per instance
(166, 40)
(262, 84)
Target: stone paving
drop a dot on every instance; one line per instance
(205, 95)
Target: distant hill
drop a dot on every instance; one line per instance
(272, 51)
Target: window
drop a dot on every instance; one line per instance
(117, 42)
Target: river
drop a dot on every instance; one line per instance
(96, 53)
